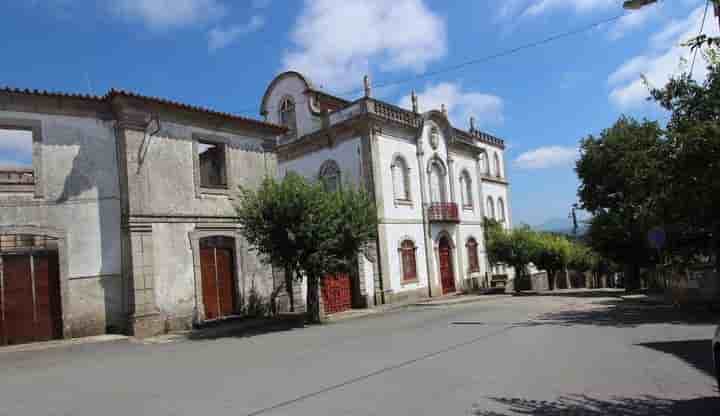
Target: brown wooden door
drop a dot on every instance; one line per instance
(447, 279)
(218, 283)
(31, 308)
(48, 324)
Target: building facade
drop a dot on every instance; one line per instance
(124, 219)
(432, 184)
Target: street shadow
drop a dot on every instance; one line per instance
(588, 406)
(621, 313)
(697, 353)
(243, 328)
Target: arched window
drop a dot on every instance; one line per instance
(501, 209)
(472, 252)
(401, 179)
(437, 183)
(466, 190)
(434, 137)
(330, 175)
(484, 165)
(498, 170)
(407, 256)
(287, 113)
(490, 208)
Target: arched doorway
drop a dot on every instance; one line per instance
(217, 270)
(30, 301)
(447, 277)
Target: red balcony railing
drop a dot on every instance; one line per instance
(443, 212)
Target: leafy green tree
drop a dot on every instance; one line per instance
(691, 201)
(622, 181)
(516, 248)
(306, 230)
(552, 255)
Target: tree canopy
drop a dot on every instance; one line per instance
(304, 229)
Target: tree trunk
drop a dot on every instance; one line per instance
(313, 299)
(631, 279)
(567, 278)
(289, 287)
(551, 279)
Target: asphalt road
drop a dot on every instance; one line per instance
(515, 355)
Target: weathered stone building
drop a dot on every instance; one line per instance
(124, 219)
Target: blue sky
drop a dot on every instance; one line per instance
(222, 54)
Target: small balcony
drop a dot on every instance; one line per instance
(443, 212)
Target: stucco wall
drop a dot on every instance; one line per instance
(345, 153)
(389, 147)
(79, 183)
(394, 235)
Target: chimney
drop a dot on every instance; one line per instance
(368, 89)
(414, 100)
(472, 124)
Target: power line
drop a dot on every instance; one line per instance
(478, 60)
(702, 26)
(493, 56)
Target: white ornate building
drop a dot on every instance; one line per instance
(432, 184)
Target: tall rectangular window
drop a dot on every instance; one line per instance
(16, 159)
(211, 157)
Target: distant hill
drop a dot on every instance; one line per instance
(560, 226)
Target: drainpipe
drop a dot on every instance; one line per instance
(423, 209)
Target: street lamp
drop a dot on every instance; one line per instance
(637, 4)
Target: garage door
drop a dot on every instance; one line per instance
(30, 298)
(218, 277)
(337, 293)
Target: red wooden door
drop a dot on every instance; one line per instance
(337, 293)
(447, 279)
(30, 309)
(226, 286)
(218, 284)
(18, 299)
(48, 324)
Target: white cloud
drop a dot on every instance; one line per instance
(219, 38)
(547, 157)
(486, 108)
(166, 14)
(537, 7)
(633, 20)
(663, 60)
(337, 42)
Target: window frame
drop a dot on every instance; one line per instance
(473, 256)
(490, 205)
(466, 193)
(330, 168)
(399, 162)
(500, 208)
(498, 168)
(292, 124)
(404, 250)
(35, 127)
(223, 142)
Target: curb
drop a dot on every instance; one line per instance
(62, 343)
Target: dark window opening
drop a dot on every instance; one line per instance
(212, 165)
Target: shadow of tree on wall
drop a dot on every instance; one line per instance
(697, 353)
(588, 406)
(620, 313)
